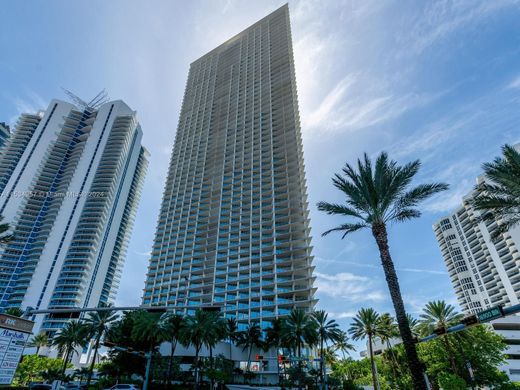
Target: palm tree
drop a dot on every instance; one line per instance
(299, 330)
(98, 324)
(366, 325)
(388, 330)
(273, 334)
(174, 324)
(218, 332)
(73, 335)
(4, 236)
(148, 328)
(51, 374)
(14, 311)
(414, 325)
(343, 345)
(440, 315)
(200, 329)
(38, 341)
(249, 338)
(499, 196)
(231, 334)
(375, 197)
(328, 330)
(81, 373)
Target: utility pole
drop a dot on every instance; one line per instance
(146, 355)
(147, 372)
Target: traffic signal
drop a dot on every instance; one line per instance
(211, 308)
(470, 320)
(440, 330)
(259, 357)
(153, 309)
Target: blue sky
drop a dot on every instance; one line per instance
(439, 81)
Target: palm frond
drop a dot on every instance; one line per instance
(378, 193)
(334, 209)
(347, 228)
(404, 214)
(498, 198)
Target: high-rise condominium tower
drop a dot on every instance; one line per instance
(483, 271)
(4, 133)
(233, 228)
(70, 182)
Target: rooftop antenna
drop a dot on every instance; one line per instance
(96, 102)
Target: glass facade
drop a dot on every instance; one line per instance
(233, 229)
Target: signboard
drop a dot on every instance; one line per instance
(253, 366)
(14, 333)
(15, 323)
(490, 314)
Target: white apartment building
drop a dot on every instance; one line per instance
(485, 272)
(70, 182)
(5, 133)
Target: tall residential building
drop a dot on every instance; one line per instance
(70, 182)
(233, 228)
(484, 271)
(4, 133)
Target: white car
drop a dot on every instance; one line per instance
(124, 386)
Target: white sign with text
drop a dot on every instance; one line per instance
(12, 344)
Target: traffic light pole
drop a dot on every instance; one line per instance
(475, 319)
(147, 355)
(31, 311)
(147, 372)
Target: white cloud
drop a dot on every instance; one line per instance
(416, 303)
(325, 115)
(378, 267)
(355, 103)
(423, 271)
(450, 200)
(433, 136)
(514, 84)
(28, 103)
(342, 314)
(346, 285)
(146, 254)
(443, 18)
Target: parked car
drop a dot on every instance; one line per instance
(40, 386)
(75, 386)
(124, 386)
(47, 386)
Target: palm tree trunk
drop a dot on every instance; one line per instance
(450, 353)
(170, 362)
(250, 350)
(380, 234)
(37, 350)
(321, 363)
(91, 369)
(372, 363)
(393, 359)
(248, 369)
(299, 366)
(212, 381)
(65, 361)
(197, 351)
